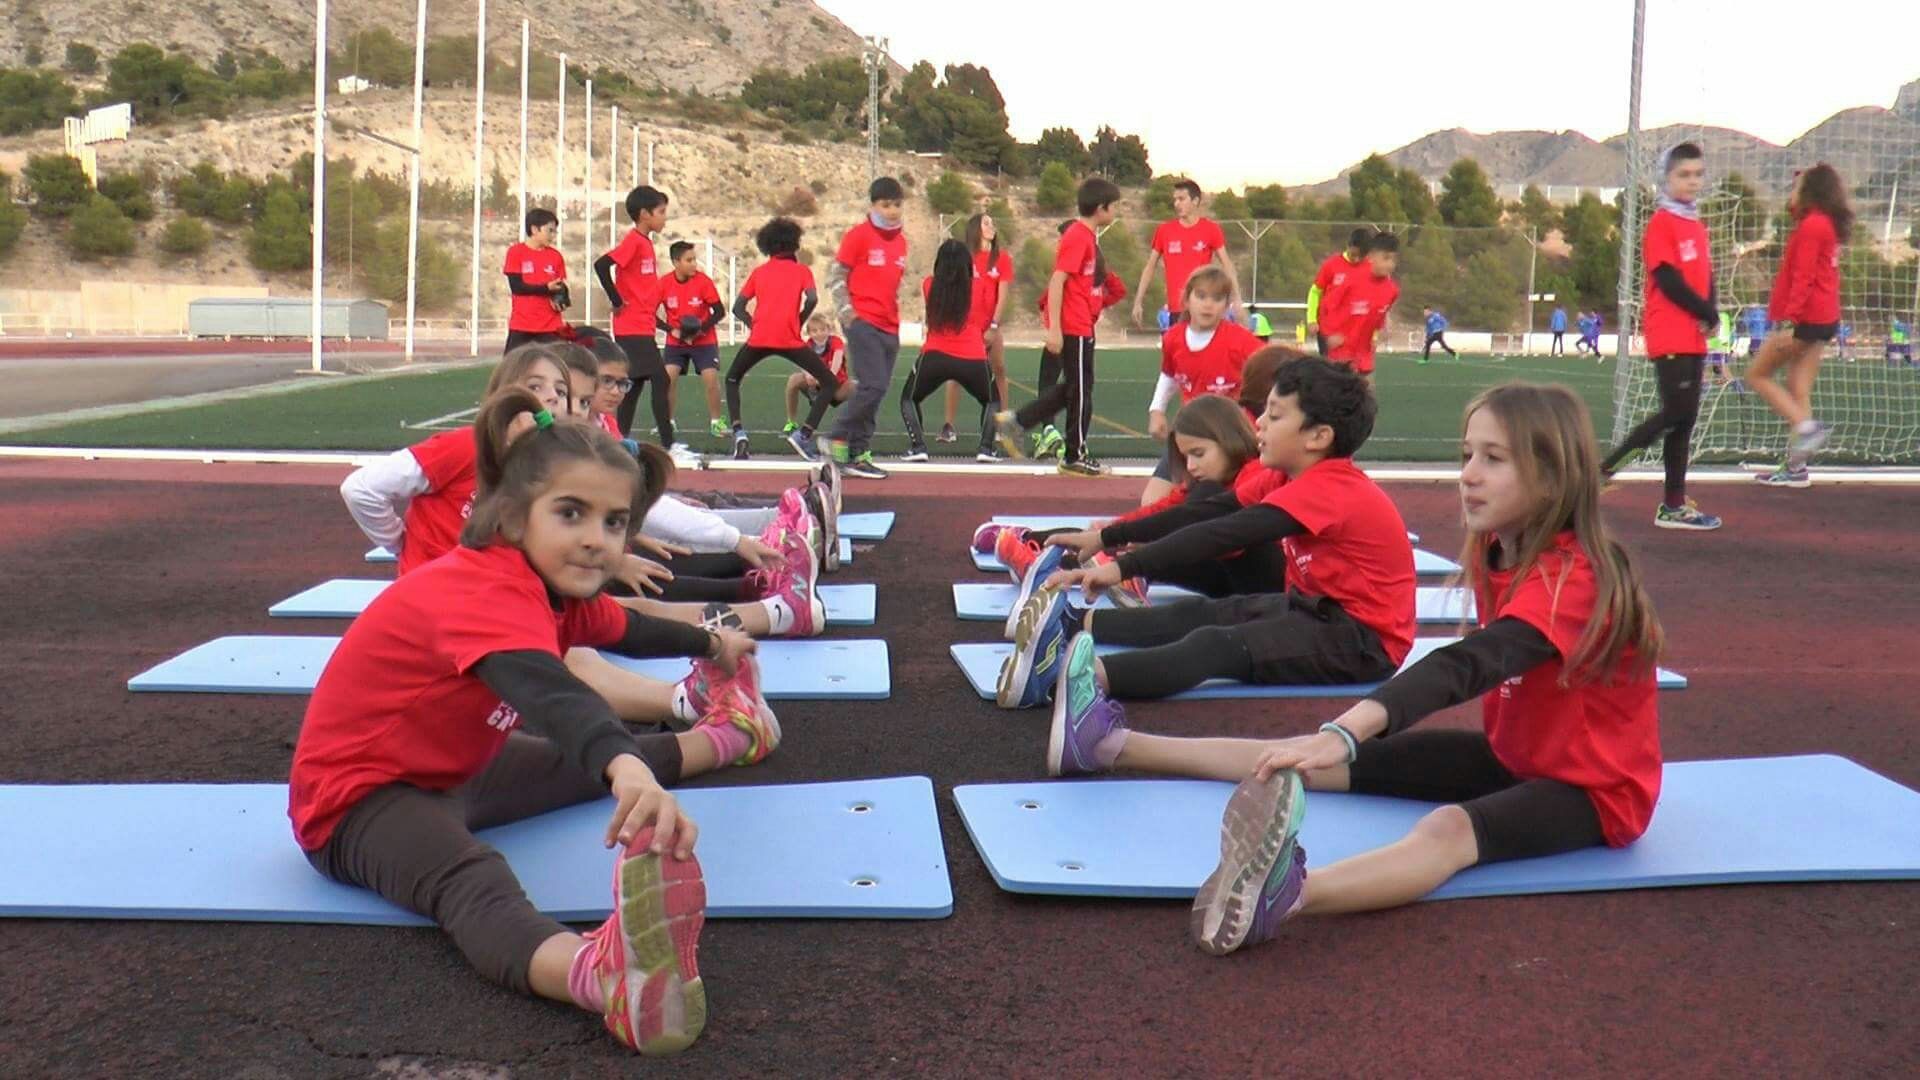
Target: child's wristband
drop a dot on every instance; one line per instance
(1353, 745)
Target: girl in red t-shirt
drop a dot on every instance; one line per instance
(1805, 309)
(1563, 663)
(955, 350)
(409, 740)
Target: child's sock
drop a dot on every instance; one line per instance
(729, 742)
(1807, 426)
(779, 615)
(583, 983)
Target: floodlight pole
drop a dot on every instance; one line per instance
(873, 57)
(479, 132)
(613, 175)
(526, 49)
(560, 152)
(1630, 238)
(413, 173)
(319, 168)
(586, 213)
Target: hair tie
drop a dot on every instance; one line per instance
(543, 419)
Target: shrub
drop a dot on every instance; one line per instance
(1056, 189)
(185, 236)
(950, 194)
(13, 222)
(30, 100)
(437, 277)
(132, 192)
(799, 203)
(100, 230)
(82, 59)
(283, 238)
(58, 183)
(818, 187)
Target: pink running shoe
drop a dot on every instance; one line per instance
(706, 686)
(646, 955)
(985, 535)
(793, 510)
(799, 589)
(1130, 593)
(746, 708)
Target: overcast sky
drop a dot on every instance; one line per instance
(1238, 91)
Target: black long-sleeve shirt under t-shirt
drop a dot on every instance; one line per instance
(1261, 523)
(603, 269)
(517, 285)
(554, 702)
(1668, 279)
(1204, 502)
(1462, 671)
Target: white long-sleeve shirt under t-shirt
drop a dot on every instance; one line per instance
(377, 495)
(675, 522)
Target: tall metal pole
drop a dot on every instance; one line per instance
(319, 166)
(633, 158)
(873, 57)
(650, 163)
(613, 175)
(413, 174)
(560, 152)
(586, 214)
(526, 50)
(479, 133)
(1533, 259)
(1629, 224)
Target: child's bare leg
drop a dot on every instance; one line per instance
(673, 389)
(753, 620)
(1800, 376)
(633, 697)
(1155, 490)
(1778, 349)
(1441, 845)
(711, 377)
(547, 973)
(794, 384)
(953, 402)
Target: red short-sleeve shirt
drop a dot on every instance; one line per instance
(1360, 310)
(1212, 369)
(535, 314)
(876, 260)
(1078, 256)
(637, 280)
(991, 279)
(1674, 241)
(777, 288)
(1184, 249)
(1603, 737)
(969, 342)
(1355, 550)
(1332, 274)
(435, 517)
(399, 703)
(694, 296)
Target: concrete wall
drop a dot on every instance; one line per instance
(109, 307)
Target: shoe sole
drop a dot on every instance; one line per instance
(662, 905)
(1258, 829)
(1682, 526)
(1797, 485)
(820, 504)
(916, 458)
(800, 447)
(1057, 732)
(1029, 583)
(1018, 670)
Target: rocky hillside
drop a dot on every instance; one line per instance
(1861, 142)
(704, 45)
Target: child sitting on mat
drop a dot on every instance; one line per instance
(1563, 665)
(1345, 617)
(409, 742)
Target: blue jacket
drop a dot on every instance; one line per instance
(1589, 326)
(1436, 322)
(1753, 322)
(1558, 324)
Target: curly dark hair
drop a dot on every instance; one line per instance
(781, 236)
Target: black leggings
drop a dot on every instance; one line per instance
(644, 366)
(801, 357)
(1512, 818)
(1259, 569)
(517, 338)
(702, 578)
(1436, 339)
(935, 369)
(1269, 639)
(1074, 393)
(1678, 378)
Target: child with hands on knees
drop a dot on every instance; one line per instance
(1563, 665)
(832, 351)
(410, 741)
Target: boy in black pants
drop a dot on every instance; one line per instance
(864, 281)
(1078, 271)
(1346, 615)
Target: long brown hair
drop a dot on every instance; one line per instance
(1551, 437)
(514, 366)
(1219, 421)
(1820, 188)
(515, 460)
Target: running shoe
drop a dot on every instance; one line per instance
(1085, 466)
(1130, 593)
(740, 446)
(914, 453)
(820, 506)
(802, 443)
(645, 957)
(1016, 550)
(789, 428)
(742, 705)
(705, 685)
(1262, 874)
(1786, 477)
(829, 474)
(990, 454)
(985, 536)
(718, 429)
(1009, 432)
(1041, 566)
(1084, 717)
(801, 588)
(947, 434)
(1048, 442)
(1026, 679)
(1806, 443)
(864, 467)
(1687, 516)
(791, 512)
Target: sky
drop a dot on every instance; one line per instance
(1245, 91)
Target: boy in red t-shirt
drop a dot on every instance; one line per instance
(832, 351)
(537, 277)
(1347, 613)
(1185, 244)
(635, 296)
(1681, 307)
(1332, 274)
(1074, 301)
(783, 296)
(1353, 312)
(864, 281)
(689, 310)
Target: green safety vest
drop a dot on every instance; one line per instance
(1261, 327)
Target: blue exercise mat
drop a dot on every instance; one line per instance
(263, 664)
(346, 598)
(1425, 563)
(869, 526)
(1040, 522)
(1809, 818)
(981, 662)
(382, 555)
(993, 601)
(225, 852)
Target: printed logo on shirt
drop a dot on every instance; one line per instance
(526, 266)
(646, 266)
(503, 717)
(876, 257)
(1173, 247)
(1340, 278)
(1688, 252)
(1088, 269)
(466, 509)
(673, 303)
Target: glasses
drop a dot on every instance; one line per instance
(607, 382)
